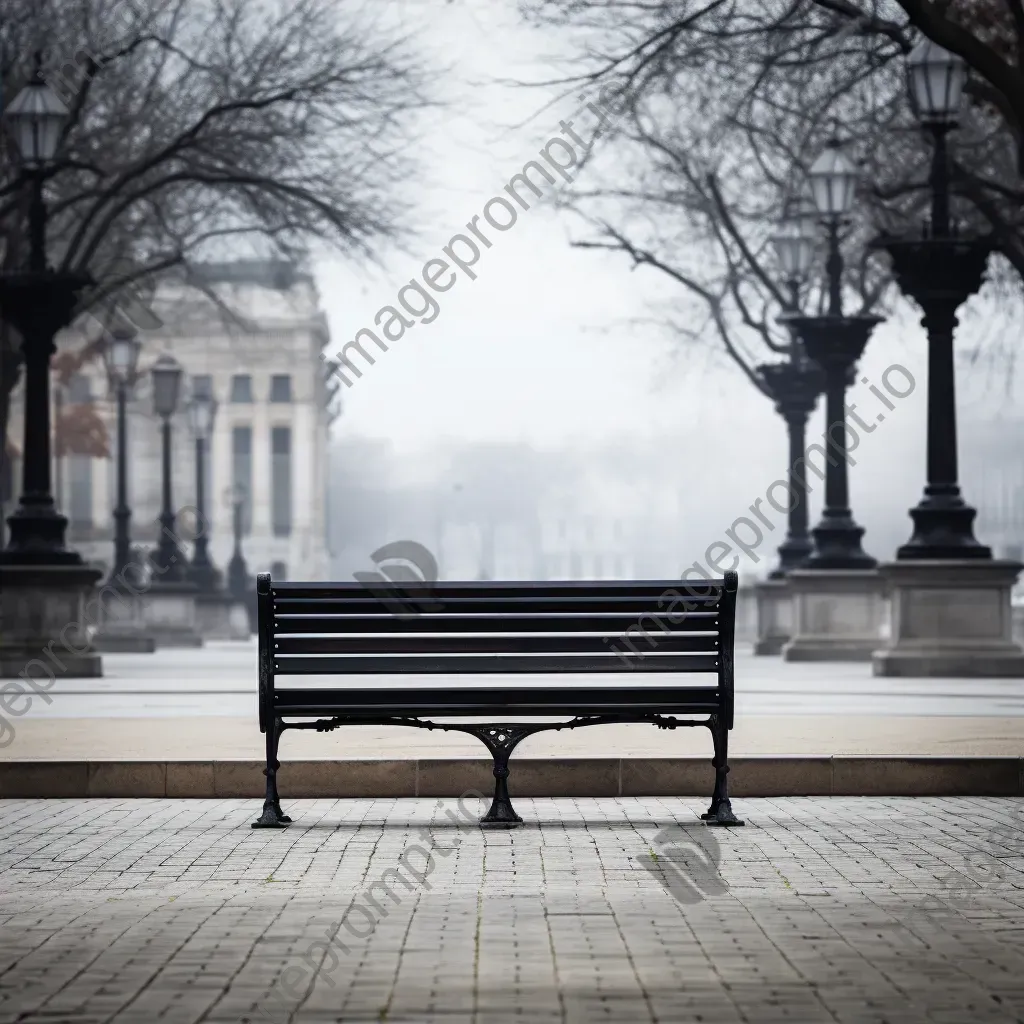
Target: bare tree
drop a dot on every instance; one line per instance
(201, 128)
(722, 105)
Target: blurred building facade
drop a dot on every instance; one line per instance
(495, 510)
(251, 332)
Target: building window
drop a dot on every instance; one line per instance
(241, 471)
(79, 389)
(80, 490)
(278, 571)
(241, 388)
(281, 387)
(202, 384)
(281, 480)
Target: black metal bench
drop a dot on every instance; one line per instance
(627, 629)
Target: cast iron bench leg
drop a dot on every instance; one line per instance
(272, 816)
(720, 812)
(501, 741)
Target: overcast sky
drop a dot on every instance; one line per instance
(548, 343)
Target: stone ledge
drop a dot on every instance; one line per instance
(767, 776)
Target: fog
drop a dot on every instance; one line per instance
(551, 388)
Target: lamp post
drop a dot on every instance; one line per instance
(123, 627)
(794, 387)
(835, 342)
(239, 583)
(168, 559)
(44, 585)
(202, 412)
(38, 302)
(939, 270)
(121, 357)
(238, 572)
(59, 445)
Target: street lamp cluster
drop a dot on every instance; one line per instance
(201, 407)
(939, 269)
(121, 355)
(940, 272)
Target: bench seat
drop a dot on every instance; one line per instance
(660, 700)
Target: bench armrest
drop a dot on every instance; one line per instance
(727, 642)
(265, 662)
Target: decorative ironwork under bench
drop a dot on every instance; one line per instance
(622, 630)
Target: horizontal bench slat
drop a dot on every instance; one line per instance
(652, 589)
(551, 643)
(612, 624)
(484, 701)
(474, 664)
(384, 603)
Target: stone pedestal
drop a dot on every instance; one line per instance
(774, 616)
(170, 615)
(220, 617)
(44, 624)
(951, 618)
(241, 627)
(838, 615)
(1018, 623)
(122, 627)
(746, 615)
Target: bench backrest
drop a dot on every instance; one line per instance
(488, 627)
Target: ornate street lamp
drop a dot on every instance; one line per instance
(835, 342)
(935, 81)
(833, 181)
(38, 302)
(202, 412)
(44, 586)
(121, 358)
(939, 270)
(239, 582)
(794, 387)
(795, 243)
(168, 559)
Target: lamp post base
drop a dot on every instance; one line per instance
(170, 615)
(46, 613)
(122, 629)
(837, 546)
(36, 538)
(943, 530)
(837, 616)
(220, 616)
(951, 618)
(774, 616)
(793, 553)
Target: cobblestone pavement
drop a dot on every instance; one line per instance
(851, 910)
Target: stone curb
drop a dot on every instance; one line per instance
(765, 776)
